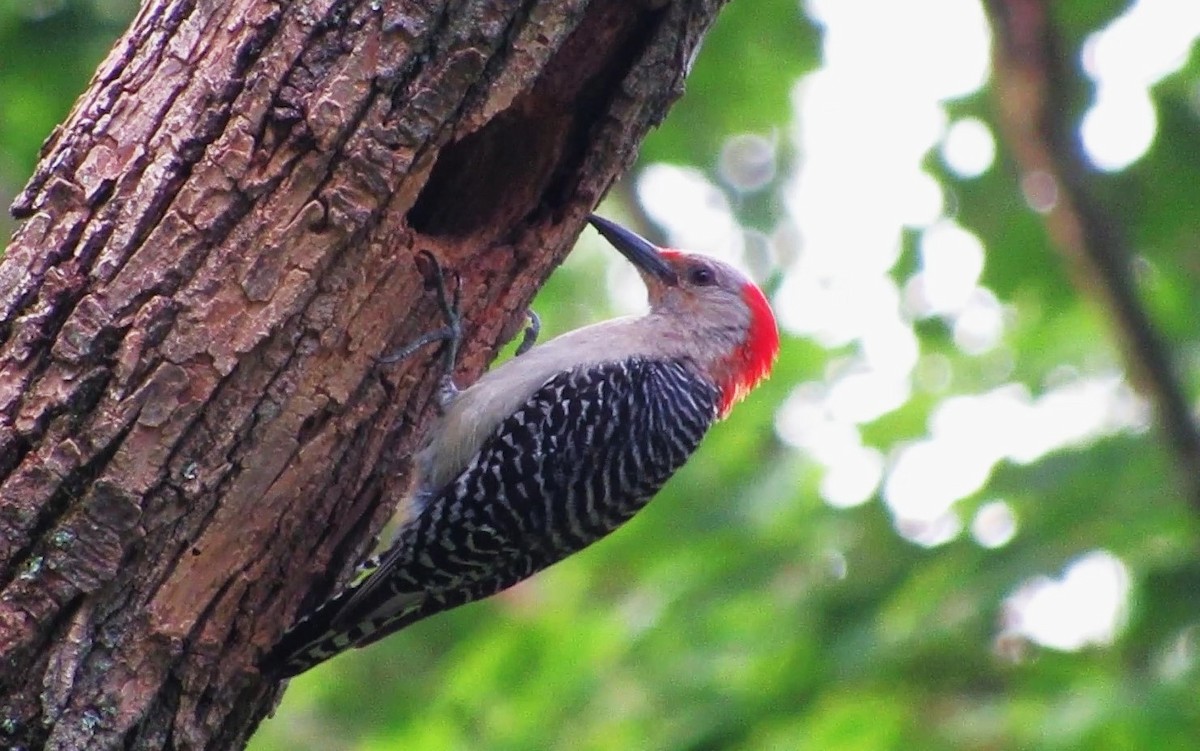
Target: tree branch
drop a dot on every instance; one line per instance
(1033, 81)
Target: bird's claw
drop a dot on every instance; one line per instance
(451, 333)
(532, 329)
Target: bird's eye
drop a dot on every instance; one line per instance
(701, 276)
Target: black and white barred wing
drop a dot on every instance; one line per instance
(579, 458)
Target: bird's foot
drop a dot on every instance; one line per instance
(450, 333)
(532, 329)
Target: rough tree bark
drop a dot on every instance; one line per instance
(218, 242)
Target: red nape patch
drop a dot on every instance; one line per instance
(751, 362)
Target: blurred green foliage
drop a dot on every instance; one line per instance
(739, 611)
(48, 51)
(761, 48)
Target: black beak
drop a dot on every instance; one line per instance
(640, 251)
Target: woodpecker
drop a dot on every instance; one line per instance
(556, 448)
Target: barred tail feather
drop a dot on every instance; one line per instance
(311, 641)
(341, 623)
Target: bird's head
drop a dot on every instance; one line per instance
(724, 318)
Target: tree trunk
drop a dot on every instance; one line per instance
(195, 436)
